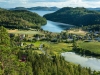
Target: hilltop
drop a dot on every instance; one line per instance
(20, 19)
(77, 16)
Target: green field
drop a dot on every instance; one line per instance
(24, 31)
(92, 46)
(53, 48)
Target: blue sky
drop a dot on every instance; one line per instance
(49, 3)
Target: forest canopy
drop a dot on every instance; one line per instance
(77, 16)
(20, 19)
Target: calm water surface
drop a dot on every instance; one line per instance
(93, 63)
(53, 26)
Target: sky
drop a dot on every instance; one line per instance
(49, 3)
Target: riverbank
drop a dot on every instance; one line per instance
(51, 46)
(93, 63)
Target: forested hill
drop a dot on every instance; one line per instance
(15, 61)
(20, 19)
(77, 16)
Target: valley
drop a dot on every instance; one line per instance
(48, 52)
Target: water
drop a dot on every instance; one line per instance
(53, 26)
(93, 63)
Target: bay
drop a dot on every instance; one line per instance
(53, 26)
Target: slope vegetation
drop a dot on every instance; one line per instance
(77, 16)
(20, 19)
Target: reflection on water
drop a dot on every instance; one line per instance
(93, 63)
(53, 26)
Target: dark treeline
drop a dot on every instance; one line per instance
(85, 52)
(91, 28)
(20, 19)
(14, 61)
(77, 16)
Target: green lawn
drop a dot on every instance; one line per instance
(92, 46)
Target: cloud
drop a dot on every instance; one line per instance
(91, 0)
(49, 3)
(48, 0)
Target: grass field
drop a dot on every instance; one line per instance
(24, 32)
(92, 46)
(53, 48)
(77, 32)
(58, 48)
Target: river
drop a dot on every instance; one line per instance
(93, 63)
(53, 26)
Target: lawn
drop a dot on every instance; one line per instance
(92, 46)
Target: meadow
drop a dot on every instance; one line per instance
(93, 46)
(51, 48)
(29, 32)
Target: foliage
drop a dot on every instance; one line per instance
(14, 61)
(76, 16)
(20, 19)
(88, 48)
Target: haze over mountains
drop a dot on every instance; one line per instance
(36, 8)
(46, 8)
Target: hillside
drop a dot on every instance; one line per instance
(18, 8)
(20, 19)
(28, 61)
(95, 9)
(76, 16)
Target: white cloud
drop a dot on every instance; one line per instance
(58, 3)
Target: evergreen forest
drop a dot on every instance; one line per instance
(14, 61)
(20, 19)
(78, 16)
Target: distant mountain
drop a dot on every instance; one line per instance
(95, 9)
(43, 8)
(77, 16)
(36, 8)
(19, 8)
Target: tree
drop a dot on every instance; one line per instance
(74, 42)
(4, 37)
